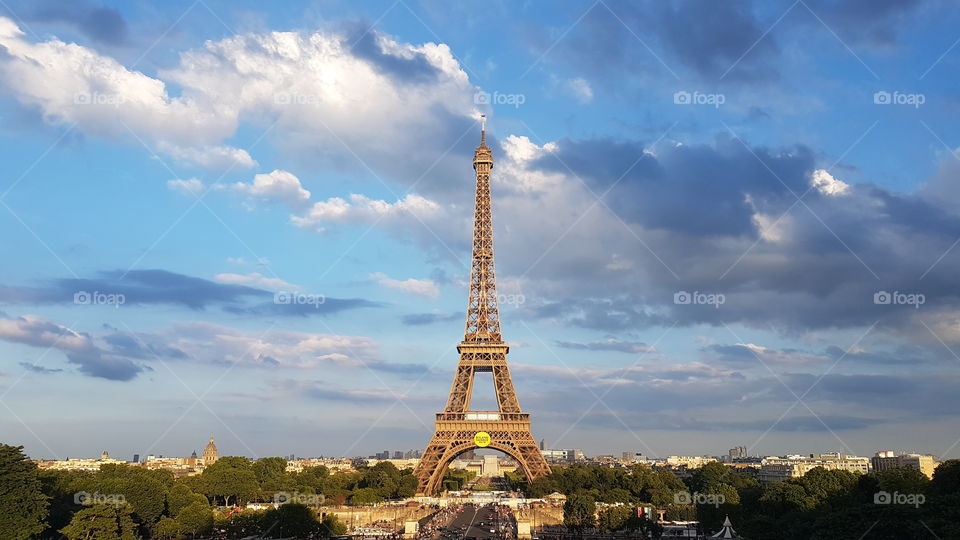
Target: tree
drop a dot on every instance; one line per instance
(365, 496)
(231, 478)
(946, 477)
(241, 524)
(180, 496)
(615, 518)
(145, 494)
(102, 522)
(197, 518)
(579, 512)
(23, 506)
(331, 526)
(290, 520)
(168, 527)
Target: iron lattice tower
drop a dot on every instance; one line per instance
(482, 350)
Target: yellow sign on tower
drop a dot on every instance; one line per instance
(481, 439)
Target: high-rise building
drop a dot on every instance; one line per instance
(210, 454)
(136, 458)
(397, 454)
(737, 452)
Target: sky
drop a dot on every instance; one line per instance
(716, 223)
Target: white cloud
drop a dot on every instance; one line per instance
(316, 90)
(279, 185)
(280, 348)
(361, 209)
(514, 170)
(422, 287)
(191, 186)
(210, 157)
(827, 184)
(256, 279)
(580, 89)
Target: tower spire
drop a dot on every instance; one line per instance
(483, 318)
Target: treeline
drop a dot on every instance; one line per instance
(124, 502)
(897, 503)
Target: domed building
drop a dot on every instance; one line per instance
(210, 454)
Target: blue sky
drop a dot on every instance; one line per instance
(192, 160)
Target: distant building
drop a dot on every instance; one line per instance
(210, 454)
(885, 460)
(136, 458)
(778, 469)
(738, 452)
(567, 455)
(689, 462)
(490, 466)
(398, 454)
(543, 444)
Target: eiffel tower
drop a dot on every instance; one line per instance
(482, 350)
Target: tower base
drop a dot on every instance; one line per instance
(456, 434)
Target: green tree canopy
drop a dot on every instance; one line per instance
(232, 479)
(23, 506)
(102, 522)
(579, 512)
(290, 520)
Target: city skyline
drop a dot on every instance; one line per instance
(223, 218)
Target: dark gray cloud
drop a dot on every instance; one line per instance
(702, 37)
(420, 319)
(98, 23)
(630, 347)
(78, 347)
(364, 43)
(39, 369)
(693, 189)
(873, 22)
(724, 219)
(327, 307)
(155, 286)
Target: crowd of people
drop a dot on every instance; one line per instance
(440, 518)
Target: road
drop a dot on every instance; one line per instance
(478, 522)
